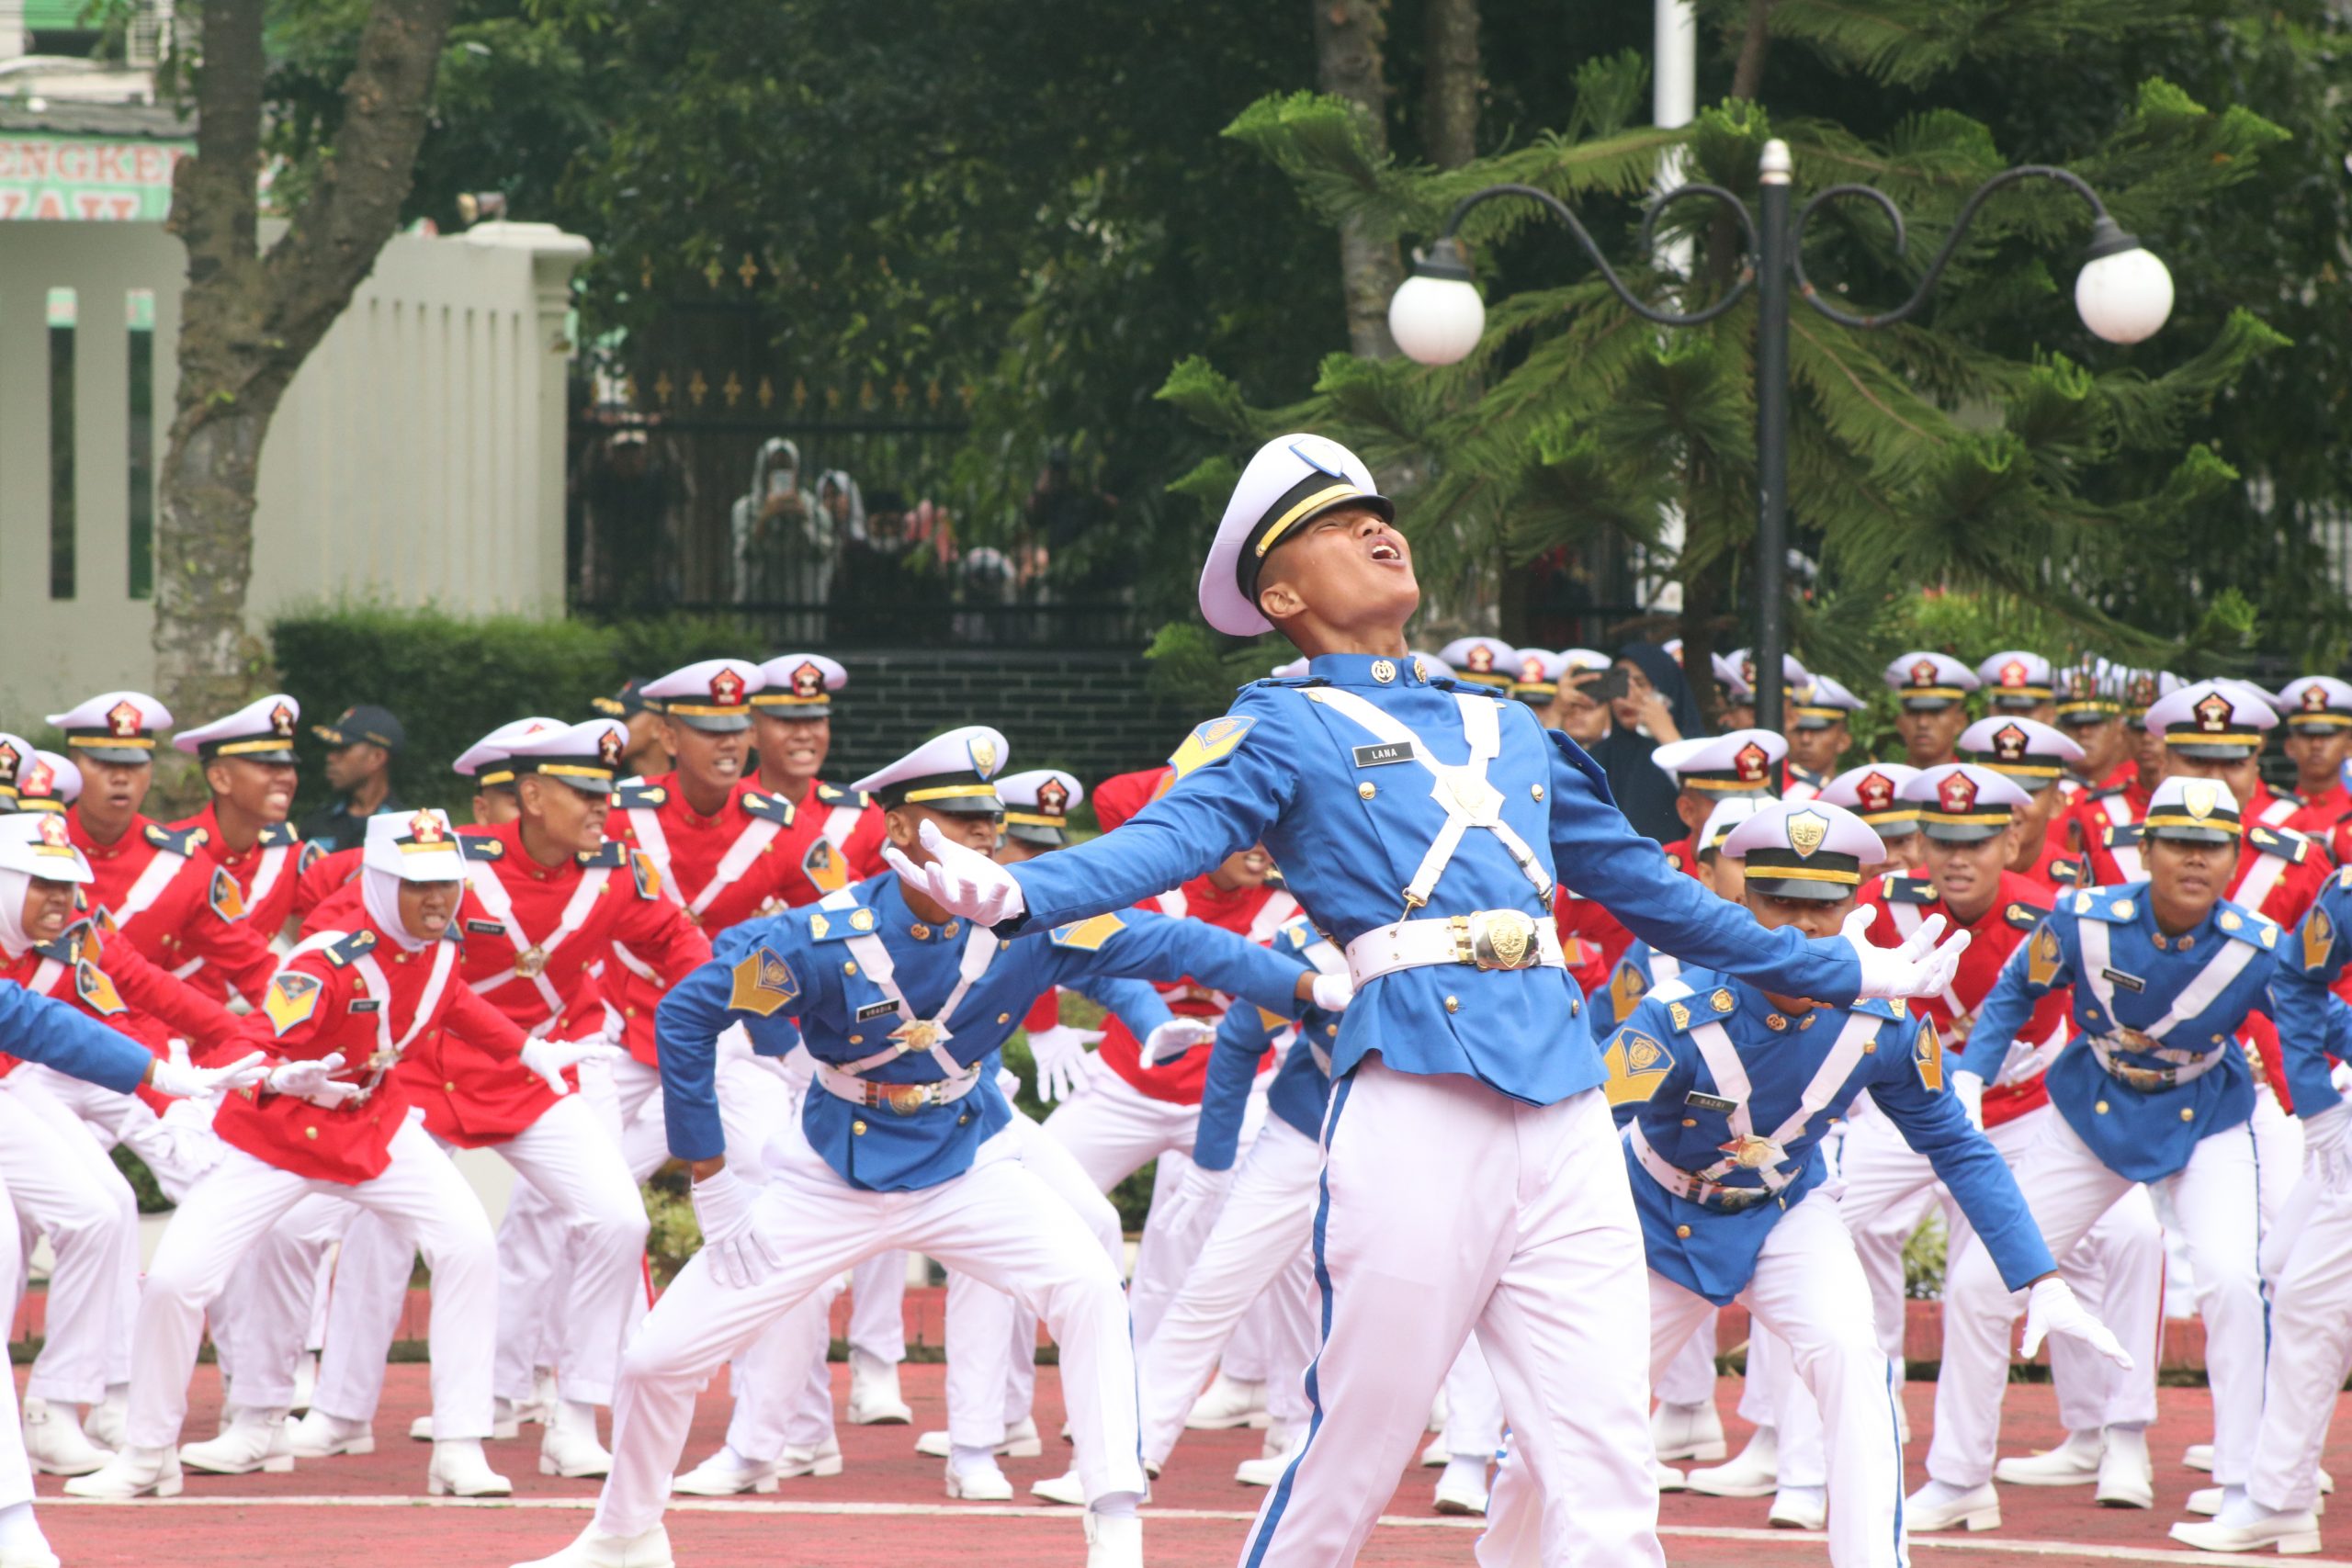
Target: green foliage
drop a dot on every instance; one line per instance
(144, 1185)
(675, 1234)
(1194, 670)
(1923, 1261)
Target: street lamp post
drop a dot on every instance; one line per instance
(2123, 294)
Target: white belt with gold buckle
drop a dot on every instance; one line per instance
(1483, 938)
(904, 1099)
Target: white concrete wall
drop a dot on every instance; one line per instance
(417, 458)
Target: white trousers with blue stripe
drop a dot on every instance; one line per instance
(1446, 1208)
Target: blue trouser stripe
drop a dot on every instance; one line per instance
(1895, 1425)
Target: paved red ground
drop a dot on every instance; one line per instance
(888, 1507)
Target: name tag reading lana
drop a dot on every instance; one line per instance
(2129, 982)
(875, 1009)
(1698, 1101)
(1382, 753)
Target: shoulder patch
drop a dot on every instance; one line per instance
(2254, 930)
(832, 797)
(2097, 904)
(1088, 936)
(354, 946)
(292, 997)
(1893, 1008)
(1627, 986)
(1686, 1006)
(1928, 1055)
(279, 834)
(2021, 917)
(312, 853)
(1910, 889)
(2120, 833)
(823, 866)
(182, 841)
(2067, 872)
(644, 873)
(228, 899)
(2319, 938)
(2288, 795)
(1637, 1064)
(95, 989)
(1210, 743)
(762, 983)
(766, 807)
(610, 855)
(2291, 847)
(2044, 954)
(480, 846)
(630, 793)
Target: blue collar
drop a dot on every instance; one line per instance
(1367, 670)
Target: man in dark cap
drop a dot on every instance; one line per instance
(360, 747)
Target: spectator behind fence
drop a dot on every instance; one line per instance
(629, 494)
(774, 528)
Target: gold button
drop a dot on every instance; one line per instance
(309, 1132)
(1535, 790)
(1454, 1004)
(1004, 1018)
(1575, 1007)
(857, 1039)
(2100, 1107)
(2188, 1113)
(1365, 791)
(857, 1129)
(1682, 1231)
(1690, 1122)
(2186, 943)
(1870, 1047)
(848, 969)
(963, 1120)
(628, 1012)
(448, 1088)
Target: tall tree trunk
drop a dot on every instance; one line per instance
(248, 320)
(1450, 97)
(1348, 39)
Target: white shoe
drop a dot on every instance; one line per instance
(1113, 1543)
(986, 1485)
(1228, 1403)
(1020, 1442)
(131, 1473)
(874, 1398)
(1437, 1455)
(2209, 1501)
(505, 1425)
(2073, 1462)
(2198, 1456)
(306, 1383)
(458, 1470)
(1936, 1507)
(596, 1549)
(1281, 1438)
(727, 1473)
(1798, 1509)
(2248, 1527)
(1063, 1488)
(1459, 1493)
(109, 1419)
(1688, 1431)
(255, 1440)
(1669, 1479)
(55, 1443)
(570, 1447)
(1756, 1473)
(1262, 1471)
(2126, 1478)
(319, 1435)
(821, 1460)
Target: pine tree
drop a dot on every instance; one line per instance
(1990, 445)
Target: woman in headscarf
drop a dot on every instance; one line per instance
(1656, 708)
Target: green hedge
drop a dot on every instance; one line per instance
(450, 681)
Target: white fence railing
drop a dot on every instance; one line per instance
(417, 458)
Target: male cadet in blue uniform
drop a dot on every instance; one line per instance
(1472, 1173)
(1727, 1090)
(2307, 1259)
(2153, 1088)
(904, 1005)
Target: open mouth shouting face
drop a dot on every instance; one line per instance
(1348, 568)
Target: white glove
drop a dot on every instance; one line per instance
(2051, 1308)
(1969, 1090)
(1175, 1037)
(1918, 969)
(1332, 993)
(727, 1207)
(2327, 1147)
(175, 1074)
(312, 1081)
(1204, 1186)
(966, 881)
(1061, 1056)
(550, 1057)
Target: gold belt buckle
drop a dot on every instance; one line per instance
(1504, 939)
(530, 961)
(906, 1098)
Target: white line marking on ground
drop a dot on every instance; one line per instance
(1964, 1542)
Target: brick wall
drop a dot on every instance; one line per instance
(1085, 713)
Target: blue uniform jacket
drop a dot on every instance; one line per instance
(2312, 1019)
(1657, 1078)
(1301, 1090)
(1291, 774)
(38, 1029)
(767, 971)
(2142, 1135)
(1641, 969)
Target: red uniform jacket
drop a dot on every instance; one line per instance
(722, 870)
(835, 837)
(355, 991)
(267, 874)
(569, 916)
(1598, 938)
(2056, 867)
(2116, 803)
(1903, 899)
(108, 980)
(2320, 814)
(1256, 913)
(175, 904)
(322, 878)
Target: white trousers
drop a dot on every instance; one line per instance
(15, 1468)
(2068, 1188)
(1473, 1406)
(2116, 1270)
(1446, 1208)
(230, 1210)
(177, 1152)
(997, 1221)
(1262, 1234)
(55, 1172)
(1772, 1394)
(1689, 1378)
(1808, 1291)
(2311, 1351)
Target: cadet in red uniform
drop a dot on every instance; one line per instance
(248, 761)
(1930, 705)
(2018, 684)
(1874, 792)
(547, 896)
(333, 1117)
(1973, 821)
(1818, 734)
(1713, 768)
(2318, 710)
(2033, 756)
(171, 902)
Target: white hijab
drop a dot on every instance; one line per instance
(381, 891)
(15, 886)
